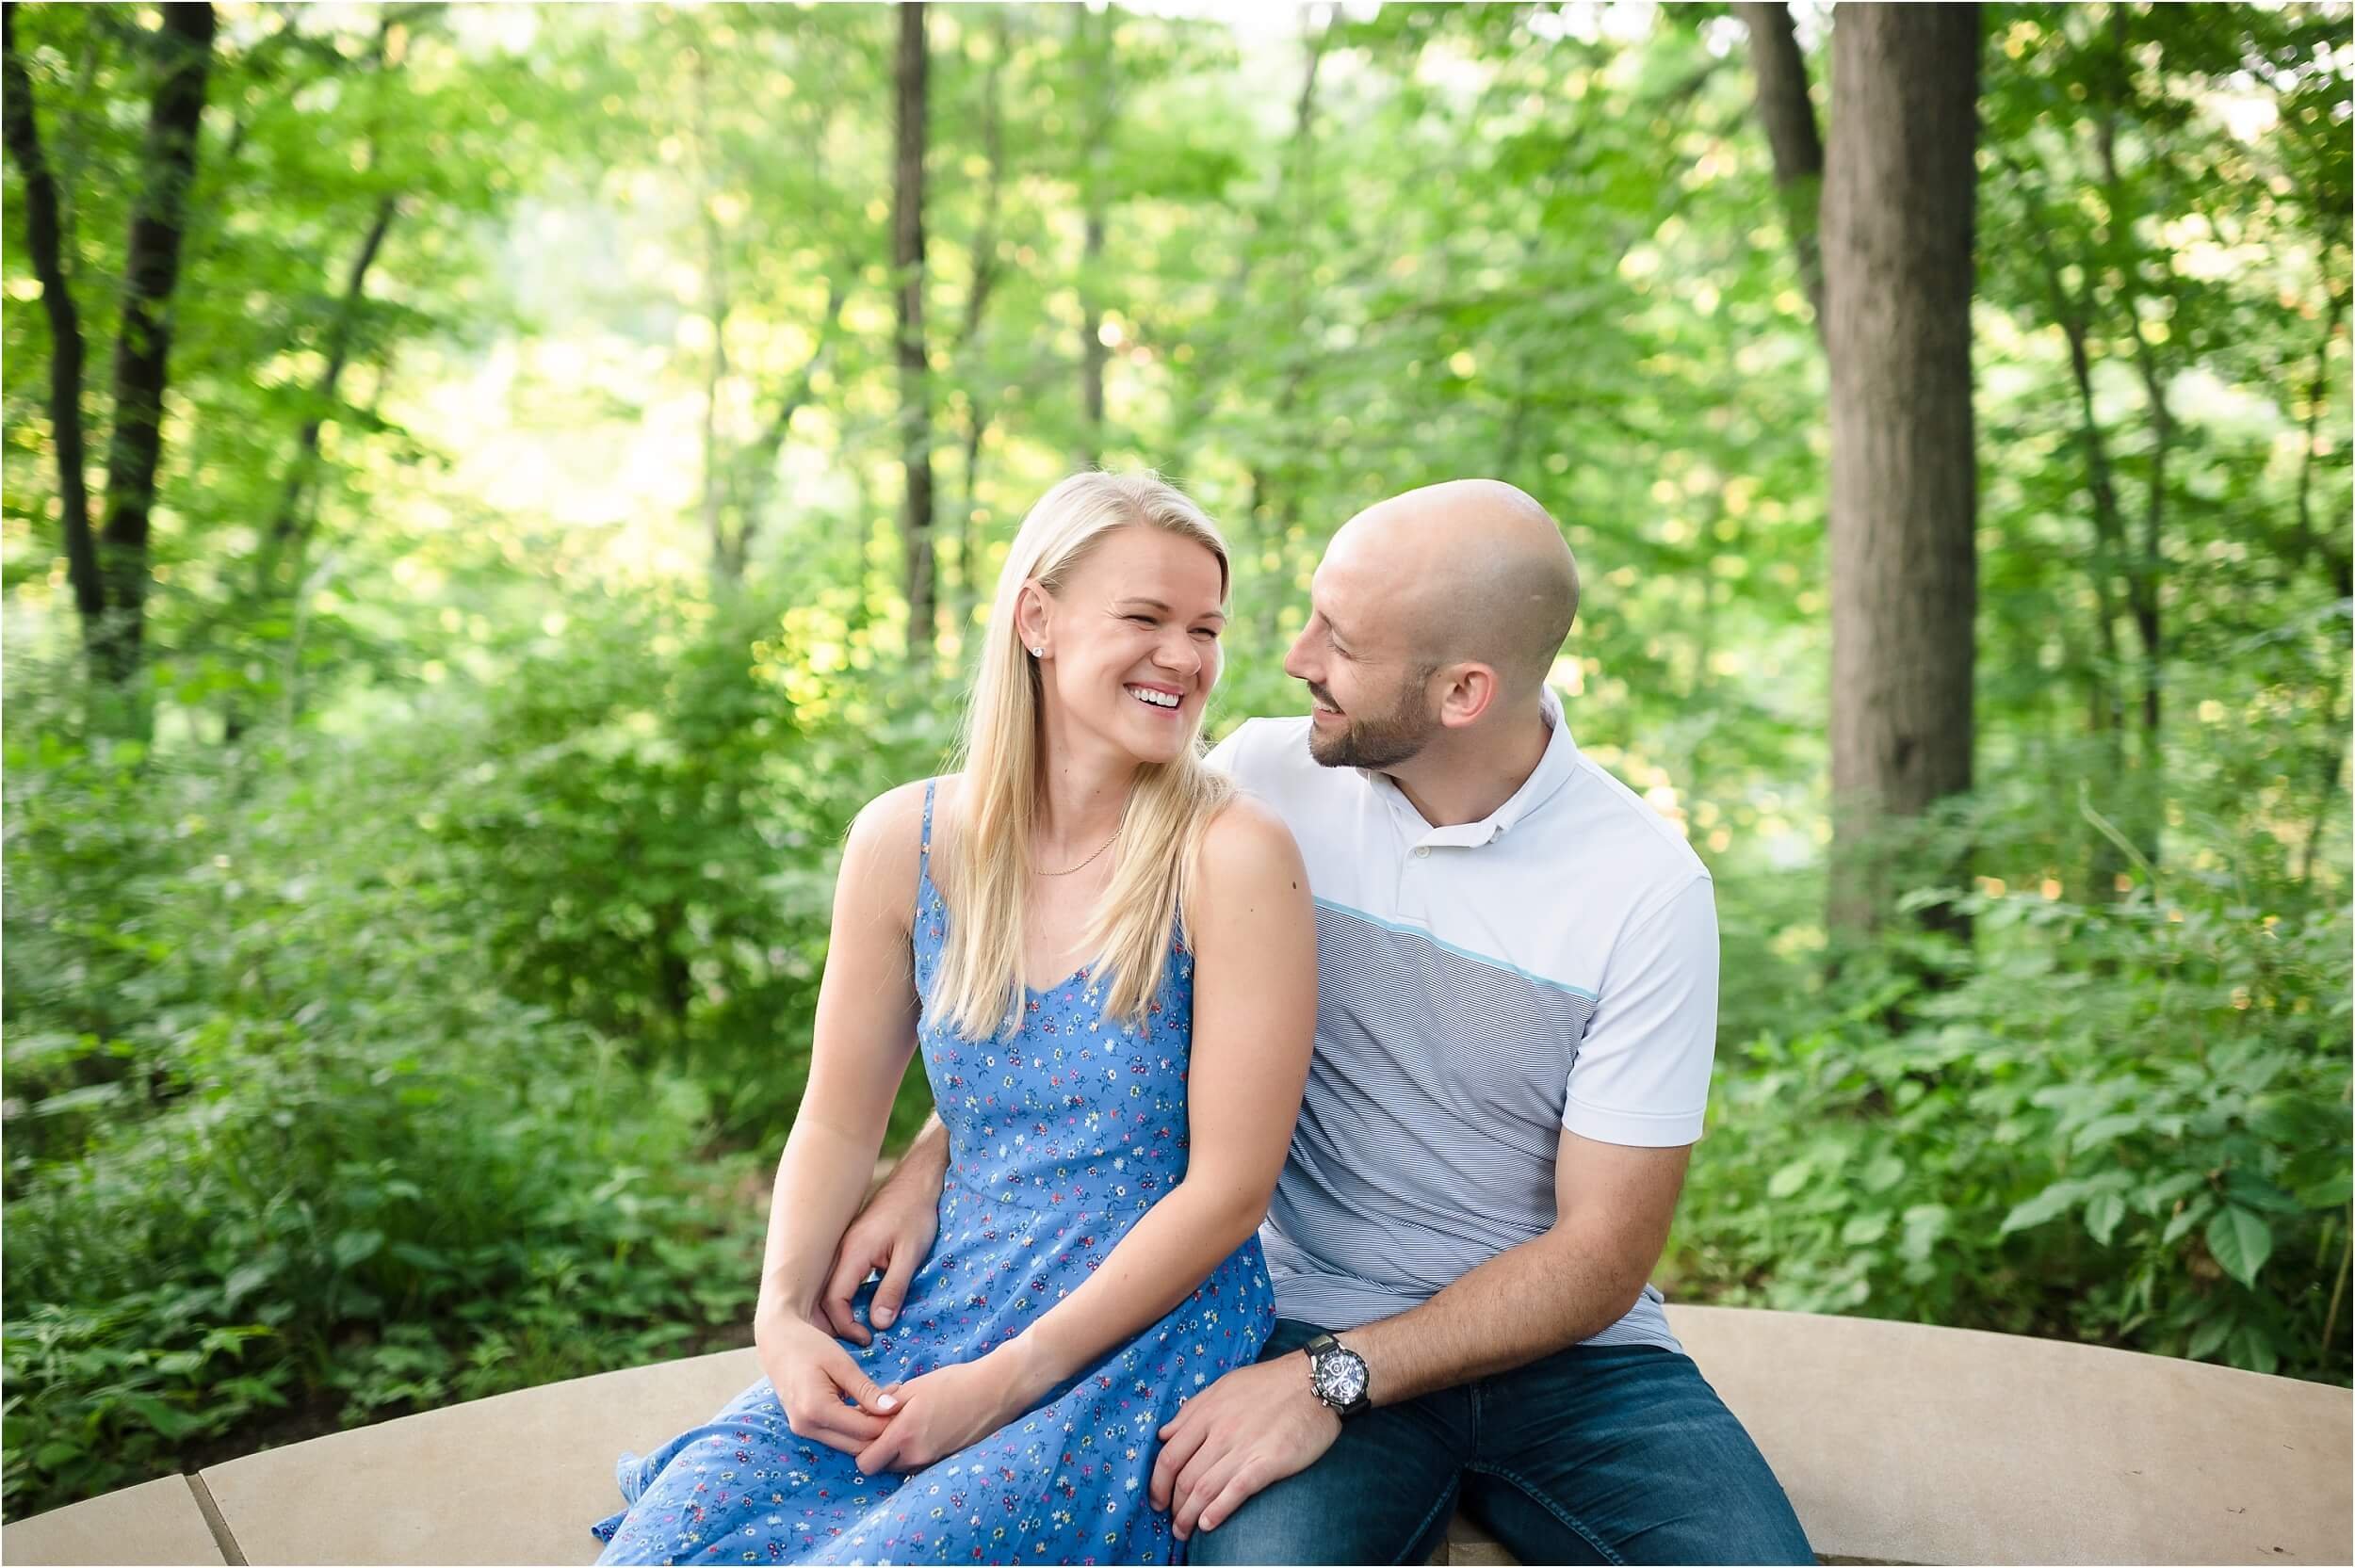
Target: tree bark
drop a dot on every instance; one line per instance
(306, 466)
(907, 261)
(43, 237)
(1788, 119)
(1090, 43)
(1900, 190)
(142, 351)
(978, 411)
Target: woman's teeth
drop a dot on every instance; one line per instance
(1158, 699)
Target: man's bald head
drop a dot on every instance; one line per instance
(1475, 570)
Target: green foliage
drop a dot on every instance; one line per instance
(2122, 1122)
(415, 1015)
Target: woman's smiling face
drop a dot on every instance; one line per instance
(1131, 640)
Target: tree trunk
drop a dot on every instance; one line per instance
(907, 261)
(978, 411)
(1091, 38)
(1789, 119)
(151, 272)
(1900, 190)
(43, 237)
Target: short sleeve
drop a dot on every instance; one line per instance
(1641, 1076)
(1226, 756)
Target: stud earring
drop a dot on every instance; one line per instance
(1039, 652)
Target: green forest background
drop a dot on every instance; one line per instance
(424, 787)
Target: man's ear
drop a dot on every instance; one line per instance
(1471, 690)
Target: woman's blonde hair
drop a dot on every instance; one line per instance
(982, 865)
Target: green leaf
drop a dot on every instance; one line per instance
(2240, 1242)
(2103, 1129)
(2208, 1336)
(1864, 1230)
(2102, 1213)
(1788, 1180)
(2049, 1204)
(1884, 1172)
(2251, 1190)
(2190, 1215)
(172, 1424)
(2330, 1192)
(353, 1248)
(2252, 1347)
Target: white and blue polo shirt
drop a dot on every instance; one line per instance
(1480, 988)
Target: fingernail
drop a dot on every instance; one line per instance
(881, 1316)
(886, 1402)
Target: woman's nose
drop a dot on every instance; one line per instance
(1179, 653)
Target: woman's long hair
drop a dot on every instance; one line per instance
(983, 866)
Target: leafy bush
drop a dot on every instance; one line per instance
(2123, 1124)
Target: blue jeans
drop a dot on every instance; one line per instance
(1611, 1455)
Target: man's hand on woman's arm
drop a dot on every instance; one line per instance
(894, 1233)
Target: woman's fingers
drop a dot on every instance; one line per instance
(857, 1385)
(826, 1419)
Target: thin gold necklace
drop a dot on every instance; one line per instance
(1085, 863)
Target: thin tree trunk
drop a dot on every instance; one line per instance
(978, 411)
(907, 261)
(1788, 119)
(727, 566)
(2145, 564)
(2309, 542)
(305, 466)
(1090, 43)
(1900, 190)
(143, 349)
(43, 238)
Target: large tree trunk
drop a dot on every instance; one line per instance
(183, 48)
(43, 237)
(1900, 188)
(907, 261)
(1790, 121)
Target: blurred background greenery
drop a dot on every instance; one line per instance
(422, 813)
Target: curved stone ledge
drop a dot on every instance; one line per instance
(1898, 1443)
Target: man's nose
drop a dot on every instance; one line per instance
(1296, 661)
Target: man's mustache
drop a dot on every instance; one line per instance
(1324, 696)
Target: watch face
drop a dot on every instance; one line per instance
(1338, 1377)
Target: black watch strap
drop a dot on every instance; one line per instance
(1318, 1350)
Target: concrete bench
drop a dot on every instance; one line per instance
(1897, 1443)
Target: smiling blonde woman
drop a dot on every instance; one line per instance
(1108, 960)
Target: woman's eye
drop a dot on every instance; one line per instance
(1211, 632)
(1141, 620)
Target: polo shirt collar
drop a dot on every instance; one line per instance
(1553, 770)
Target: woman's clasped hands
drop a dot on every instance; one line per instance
(906, 1426)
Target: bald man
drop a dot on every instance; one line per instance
(1517, 971)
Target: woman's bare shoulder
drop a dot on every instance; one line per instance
(888, 835)
(1249, 861)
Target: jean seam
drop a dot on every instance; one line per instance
(1447, 1495)
(1529, 1489)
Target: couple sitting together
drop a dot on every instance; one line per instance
(1310, 1115)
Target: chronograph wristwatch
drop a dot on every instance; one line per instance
(1337, 1375)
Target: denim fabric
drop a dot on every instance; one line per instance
(1596, 1454)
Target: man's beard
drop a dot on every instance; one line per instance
(1376, 743)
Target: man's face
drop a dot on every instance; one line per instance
(1368, 690)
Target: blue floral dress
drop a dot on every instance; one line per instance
(1062, 1130)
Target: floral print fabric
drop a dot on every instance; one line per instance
(1063, 1129)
